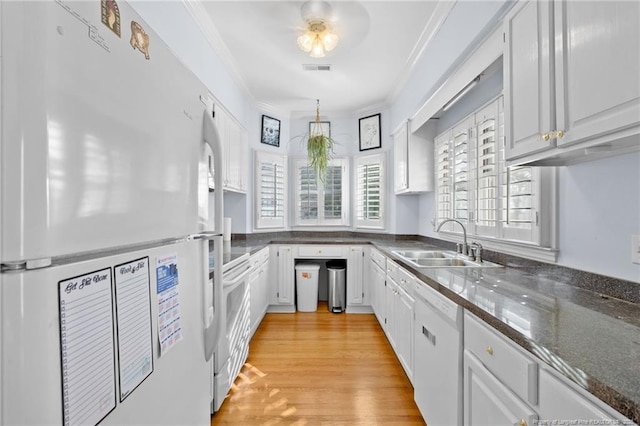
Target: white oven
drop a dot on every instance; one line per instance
(232, 348)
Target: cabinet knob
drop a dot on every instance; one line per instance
(489, 350)
(559, 134)
(546, 137)
(522, 422)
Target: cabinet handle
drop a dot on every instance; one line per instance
(489, 350)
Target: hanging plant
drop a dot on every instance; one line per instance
(319, 147)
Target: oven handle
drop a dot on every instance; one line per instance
(234, 282)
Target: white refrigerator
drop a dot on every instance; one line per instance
(107, 311)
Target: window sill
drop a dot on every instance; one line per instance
(514, 248)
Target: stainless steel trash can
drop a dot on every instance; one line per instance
(336, 272)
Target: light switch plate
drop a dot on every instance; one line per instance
(635, 249)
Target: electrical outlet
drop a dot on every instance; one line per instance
(635, 249)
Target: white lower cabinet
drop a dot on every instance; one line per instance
(504, 384)
(398, 313)
(489, 402)
(258, 288)
(500, 379)
(403, 321)
(377, 285)
(562, 399)
(355, 272)
(282, 279)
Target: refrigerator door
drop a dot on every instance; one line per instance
(79, 343)
(101, 138)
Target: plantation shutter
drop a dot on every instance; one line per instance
(270, 190)
(475, 186)
(443, 177)
(461, 174)
(370, 192)
(333, 193)
(319, 203)
(488, 132)
(307, 194)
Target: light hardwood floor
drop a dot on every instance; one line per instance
(320, 368)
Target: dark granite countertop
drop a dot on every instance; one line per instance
(592, 339)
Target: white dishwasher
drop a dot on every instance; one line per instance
(438, 385)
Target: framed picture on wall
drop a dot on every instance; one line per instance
(324, 127)
(370, 132)
(270, 131)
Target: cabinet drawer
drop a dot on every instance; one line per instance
(379, 259)
(405, 280)
(392, 270)
(259, 258)
(263, 255)
(320, 251)
(508, 363)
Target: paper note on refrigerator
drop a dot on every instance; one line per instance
(133, 316)
(87, 347)
(169, 324)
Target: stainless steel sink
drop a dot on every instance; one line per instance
(440, 259)
(421, 254)
(441, 262)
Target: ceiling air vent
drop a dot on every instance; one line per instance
(316, 67)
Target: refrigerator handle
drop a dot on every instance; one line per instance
(212, 138)
(204, 235)
(213, 324)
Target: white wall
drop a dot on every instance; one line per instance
(599, 210)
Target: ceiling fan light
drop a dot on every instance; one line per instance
(317, 50)
(330, 41)
(305, 42)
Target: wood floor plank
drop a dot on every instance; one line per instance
(319, 368)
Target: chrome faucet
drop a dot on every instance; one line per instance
(476, 251)
(465, 249)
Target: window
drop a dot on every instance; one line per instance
(320, 203)
(369, 200)
(270, 182)
(476, 187)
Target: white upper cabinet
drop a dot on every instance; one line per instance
(597, 68)
(572, 91)
(400, 163)
(413, 158)
(528, 78)
(235, 144)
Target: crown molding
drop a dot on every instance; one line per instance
(438, 18)
(201, 17)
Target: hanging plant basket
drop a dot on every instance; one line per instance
(319, 147)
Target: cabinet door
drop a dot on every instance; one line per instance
(403, 326)
(528, 79)
(597, 67)
(400, 159)
(254, 299)
(489, 402)
(222, 124)
(391, 293)
(378, 299)
(355, 289)
(286, 276)
(559, 400)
